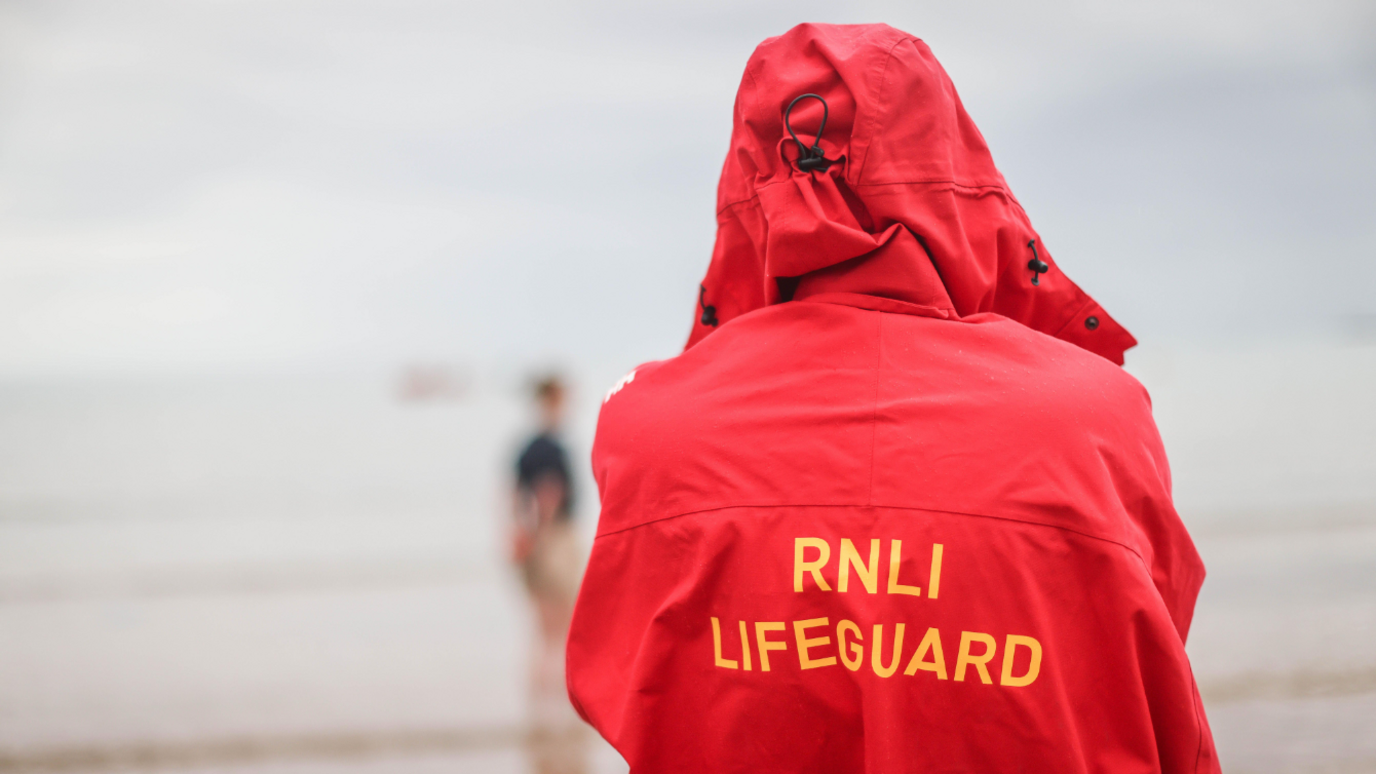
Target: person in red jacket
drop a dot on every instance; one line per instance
(895, 508)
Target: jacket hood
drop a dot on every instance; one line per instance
(910, 216)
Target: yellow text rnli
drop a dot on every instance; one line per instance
(811, 556)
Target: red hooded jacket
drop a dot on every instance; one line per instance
(894, 508)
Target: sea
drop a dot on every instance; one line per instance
(305, 572)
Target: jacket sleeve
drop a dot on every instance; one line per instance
(1174, 564)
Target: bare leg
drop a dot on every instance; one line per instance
(559, 739)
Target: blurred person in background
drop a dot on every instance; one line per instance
(545, 548)
(895, 508)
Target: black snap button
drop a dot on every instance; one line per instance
(1091, 322)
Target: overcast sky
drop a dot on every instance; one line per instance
(215, 185)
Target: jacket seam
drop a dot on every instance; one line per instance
(874, 411)
(875, 118)
(725, 207)
(970, 186)
(1073, 531)
(936, 181)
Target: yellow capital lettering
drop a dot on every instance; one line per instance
(764, 644)
(745, 647)
(964, 658)
(801, 565)
(1033, 667)
(856, 649)
(931, 642)
(716, 646)
(869, 574)
(896, 559)
(934, 577)
(876, 657)
(799, 632)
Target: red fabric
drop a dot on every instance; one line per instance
(916, 174)
(898, 406)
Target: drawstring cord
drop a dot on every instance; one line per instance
(709, 313)
(1036, 265)
(812, 158)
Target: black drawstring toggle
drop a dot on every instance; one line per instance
(813, 158)
(1036, 265)
(709, 312)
